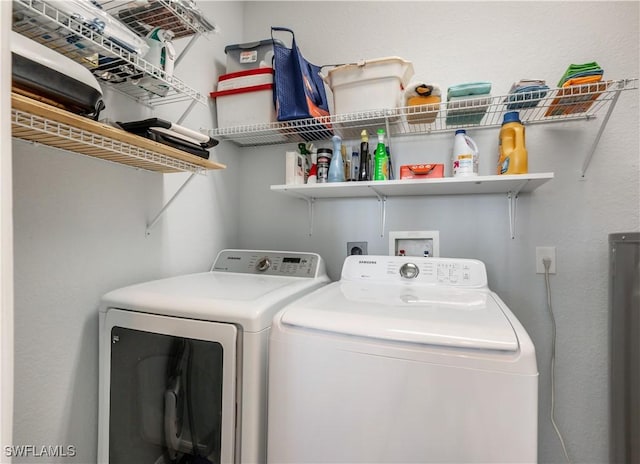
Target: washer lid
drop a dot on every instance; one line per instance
(445, 316)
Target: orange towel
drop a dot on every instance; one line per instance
(582, 80)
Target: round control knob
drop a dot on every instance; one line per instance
(409, 271)
(263, 264)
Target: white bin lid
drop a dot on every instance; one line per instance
(365, 70)
(453, 317)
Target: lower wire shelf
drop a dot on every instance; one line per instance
(42, 123)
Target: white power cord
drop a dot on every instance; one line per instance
(547, 265)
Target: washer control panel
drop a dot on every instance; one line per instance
(435, 271)
(282, 263)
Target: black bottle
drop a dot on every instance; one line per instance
(364, 157)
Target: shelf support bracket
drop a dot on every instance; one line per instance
(310, 203)
(383, 210)
(512, 201)
(187, 111)
(603, 124)
(185, 50)
(164, 208)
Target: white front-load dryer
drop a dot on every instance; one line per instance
(183, 360)
(404, 360)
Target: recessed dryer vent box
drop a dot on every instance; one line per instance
(414, 243)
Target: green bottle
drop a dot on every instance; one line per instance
(381, 160)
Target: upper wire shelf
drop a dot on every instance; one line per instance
(180, 16)
(125, 71)
(481, 112)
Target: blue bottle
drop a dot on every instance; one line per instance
(336, 168)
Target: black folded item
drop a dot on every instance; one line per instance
(171, 129)
(171, 134)
(176, 143)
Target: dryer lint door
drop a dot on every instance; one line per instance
(172, 388)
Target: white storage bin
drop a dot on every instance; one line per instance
(369, 85)
(242, 79)
(245, 98)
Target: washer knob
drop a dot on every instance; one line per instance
(409, 271)
(263, 264)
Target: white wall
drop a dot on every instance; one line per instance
(6, 242)
(501, 42)
(80, 232)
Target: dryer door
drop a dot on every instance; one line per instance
(172, 387)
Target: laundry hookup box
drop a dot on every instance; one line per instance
(245, 98)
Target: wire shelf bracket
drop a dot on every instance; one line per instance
(157, 217)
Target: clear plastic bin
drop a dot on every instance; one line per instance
(252, 55)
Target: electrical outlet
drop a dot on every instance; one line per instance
(545, 252)
(356, 248)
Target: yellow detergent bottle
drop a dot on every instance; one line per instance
(513, 152)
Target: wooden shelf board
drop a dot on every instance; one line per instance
(115, 144)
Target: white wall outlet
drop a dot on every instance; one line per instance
(545, 252)
(414, 243)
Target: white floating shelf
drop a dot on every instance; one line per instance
(509, 185)
(506, 184)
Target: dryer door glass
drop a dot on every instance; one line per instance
(166, 398)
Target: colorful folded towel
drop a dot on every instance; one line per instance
(526, 93)
(582, 80)
(467, 110)
(526, 83)
(579, 70)
(469, 88)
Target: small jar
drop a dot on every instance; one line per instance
(324, 159)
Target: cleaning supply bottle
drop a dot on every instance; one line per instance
(364, 173)
(355, 165)
(313, 170)
(381, 167)
(346, 159)
(465, 155)
(513, 152)
(336, 168)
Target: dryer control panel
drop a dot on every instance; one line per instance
(455, 272)
(281, 263)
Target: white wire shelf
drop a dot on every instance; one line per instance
(179, 17)
(38, 122)
(480, 112)
(124, 71)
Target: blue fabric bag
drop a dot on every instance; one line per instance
(299, 91)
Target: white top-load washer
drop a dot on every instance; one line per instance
(183, 360)
(404, 360)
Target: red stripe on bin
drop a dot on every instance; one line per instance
(248, 72)
(254, 88)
